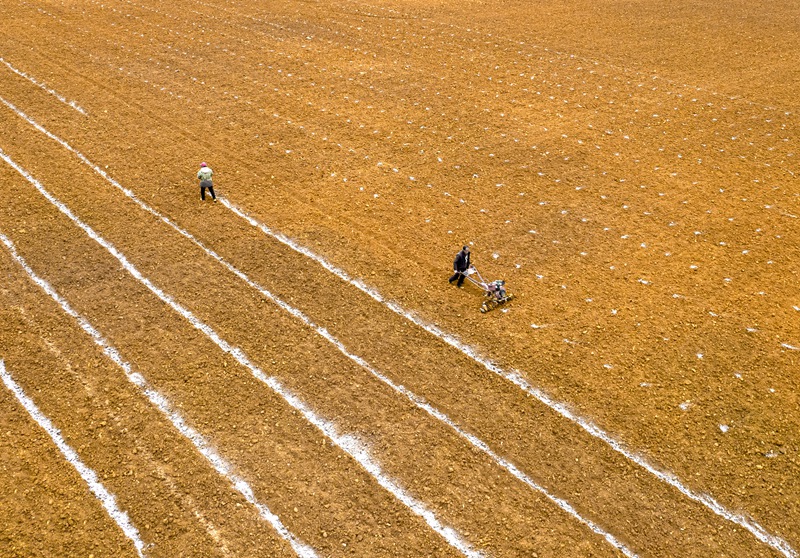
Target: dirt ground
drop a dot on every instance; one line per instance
(628, 168)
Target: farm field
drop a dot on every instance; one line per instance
(287, 372)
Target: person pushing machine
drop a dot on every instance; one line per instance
(494, 292)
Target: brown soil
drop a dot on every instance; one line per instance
(628, 168)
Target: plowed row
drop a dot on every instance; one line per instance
(638, 397)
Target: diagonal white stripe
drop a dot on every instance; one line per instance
(518, 380)
(163, 404)
(88, 475)
(513, 376)
(415, 399)
(345, 442)
(56, 94)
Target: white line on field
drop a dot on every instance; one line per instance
(476, 442)
(415, 399)
(666, 477)
(70, 104)
(162, 403)
(561, 408)
(517, 379)
(422, 404)
(87, 474)
(347, 443)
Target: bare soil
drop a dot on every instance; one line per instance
(629, 168)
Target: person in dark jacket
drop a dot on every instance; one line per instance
(460, 265)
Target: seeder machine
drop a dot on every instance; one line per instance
(494, 291)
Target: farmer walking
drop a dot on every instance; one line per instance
(460, 266)
(204, 176)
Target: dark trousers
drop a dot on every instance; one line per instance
(457, 275)
(206, 184)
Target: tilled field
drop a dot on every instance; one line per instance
(287, 372)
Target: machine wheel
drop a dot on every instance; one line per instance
(488, 305)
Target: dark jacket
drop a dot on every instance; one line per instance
(461, 262)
